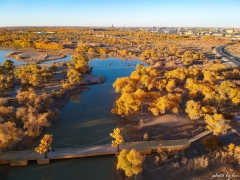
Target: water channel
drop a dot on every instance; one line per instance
(81, 123)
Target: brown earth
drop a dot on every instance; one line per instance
(176, 126)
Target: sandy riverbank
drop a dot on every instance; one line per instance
(170, 165)
(35, 56)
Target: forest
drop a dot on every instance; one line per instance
(183, 75)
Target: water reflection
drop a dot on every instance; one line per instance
(87, 121)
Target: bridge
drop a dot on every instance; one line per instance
(20, 158)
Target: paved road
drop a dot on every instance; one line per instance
(220, 51)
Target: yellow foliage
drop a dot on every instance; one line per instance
(125, 84)
(208, 109)
(193, 109)
(216, 123)
(128, 103)
(179, 74)
(218, 67)
(231, 146)
(171, 101)
(9, 134)
(82, 48)
(34, 75)
(130, 161)
(171, 85)
(45, 144)
(117, 136)
(43, 45)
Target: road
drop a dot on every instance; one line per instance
(220, 51)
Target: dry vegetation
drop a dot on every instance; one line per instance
(234, 49)
(181, 80)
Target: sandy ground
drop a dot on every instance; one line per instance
(35, 56)
(176, 126)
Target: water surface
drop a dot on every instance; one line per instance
(81, 123)
(3, 57)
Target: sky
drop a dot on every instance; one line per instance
(129, 13)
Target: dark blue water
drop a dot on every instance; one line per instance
(81, 123)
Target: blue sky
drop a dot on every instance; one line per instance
(176, 13)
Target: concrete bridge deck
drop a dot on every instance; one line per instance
(145, 147)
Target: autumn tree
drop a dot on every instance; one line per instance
(169, 101)
(129, 103)
(74, 77)
(41, 102)
(6, 77)
(33, 75)
(8, 65)
(34, 111)
(9, 134)
(125, 84)
(130, 161)
(82, 48)
(179, 74)
(7, 113)
(45, 145)
(193, 109)
(118, 138)
(54, 68)
(43, 45)
(171, 85)
(91, 51)
(228, 92)
(217, 123)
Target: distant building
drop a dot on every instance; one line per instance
(218, 34)
(99, 29)
(42, 32)
(170, 31)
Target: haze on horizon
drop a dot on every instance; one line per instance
(176, 13)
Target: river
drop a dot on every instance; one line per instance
(3, 57)
(81, 123)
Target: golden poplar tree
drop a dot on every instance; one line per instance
(216, 123)
(169, 101)
(9, 134)
(118, 138)
(193, 109)
(130, 161)
(45, 145)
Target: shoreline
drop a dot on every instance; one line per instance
(58, 104)
(65, 52)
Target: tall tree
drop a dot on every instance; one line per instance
(33, 75)
(118, 138)
(217, 123)
(8, 65)
(9, 134)
(169, 101)
(193, 109)
(130, 161)
(45, 145)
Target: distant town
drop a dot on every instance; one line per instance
(233, 33)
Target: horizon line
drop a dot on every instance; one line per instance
(122, 26)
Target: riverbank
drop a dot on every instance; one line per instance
(35, 56)
(57, 105)
(179, 164)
